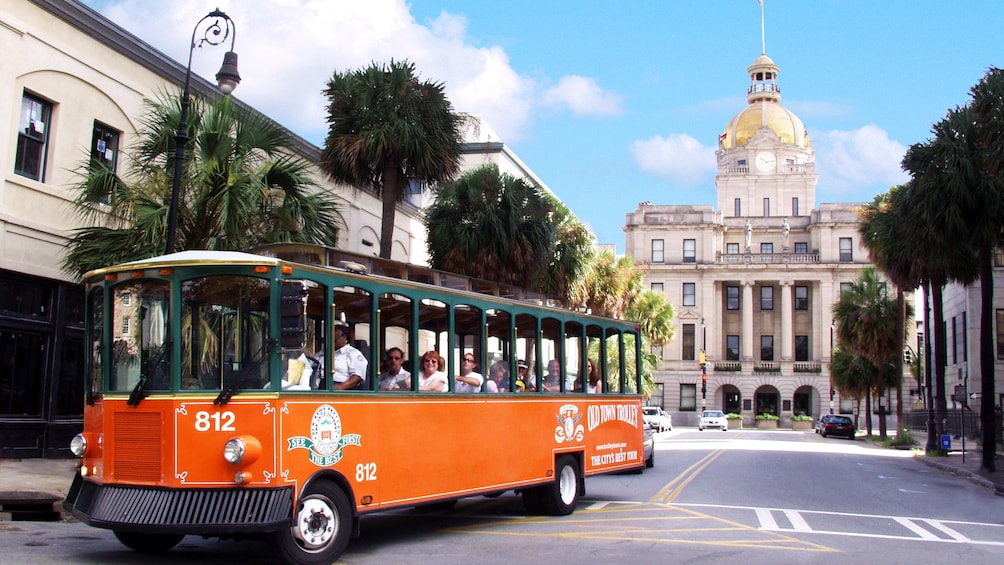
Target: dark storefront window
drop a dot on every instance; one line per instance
(22, 373)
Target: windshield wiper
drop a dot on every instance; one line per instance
(137, 393)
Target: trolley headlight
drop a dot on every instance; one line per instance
(234, 450)
(78, 445)
(242, 450)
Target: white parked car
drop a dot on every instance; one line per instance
(657, 418)
(713, 419)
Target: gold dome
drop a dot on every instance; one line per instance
(777, 118)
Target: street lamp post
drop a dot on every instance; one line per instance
(219, 29)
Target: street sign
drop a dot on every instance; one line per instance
(946, 442)
(960, 394)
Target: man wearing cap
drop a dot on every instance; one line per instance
(349, 363)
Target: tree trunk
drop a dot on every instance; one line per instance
(987, 420)
(932, 446)
(901, 332)
(392, 190)
(868, 411)
(940, 357)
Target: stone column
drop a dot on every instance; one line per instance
(787, 340)
(747, 337)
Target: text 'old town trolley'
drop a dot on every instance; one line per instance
(289, 392)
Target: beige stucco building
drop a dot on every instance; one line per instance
(753, 278)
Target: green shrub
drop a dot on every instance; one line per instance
(802, 418)
(734, 416)
(767, 417)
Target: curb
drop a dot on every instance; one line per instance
(965, 473)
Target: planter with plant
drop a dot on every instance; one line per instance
(735, 421)
(766, 421)
(801, 422)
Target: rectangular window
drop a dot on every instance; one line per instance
(32, 137)
(766, 348)
(766, 298)
(689, 342)
(766, 248)
(965, 340)
(955, 342)
(846, 250)
(801, 298)
(801, 348)
(738, 208)
(690, 251)
(732, 348)
(688, 397)
(766, 207)
(1000, 336)
(658, 251)
(105, 146)
(801, 247)
(845, 288)
(732, 248)
(732, 298)
(657, 287)
(690, 294)
(126, 321)
(794, 206)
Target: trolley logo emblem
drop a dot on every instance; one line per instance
(569, 429)
(326, 440)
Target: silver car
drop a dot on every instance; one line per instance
(713, 419)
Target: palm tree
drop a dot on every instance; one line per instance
(883, 233)
(492, 226)
(241, 187)
(611, 284)
(654, 315)
(867, 323)
(985, 235)
(854, 377)
(574, 249)
(387, 129)
(949, 196)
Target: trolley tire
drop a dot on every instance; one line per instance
(561, 495)
(321, 529)
(148, 543)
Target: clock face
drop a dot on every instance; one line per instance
(765, 161)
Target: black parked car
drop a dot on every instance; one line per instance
(834, 425)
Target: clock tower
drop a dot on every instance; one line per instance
(766, 164)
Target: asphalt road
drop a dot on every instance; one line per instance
(745, 497)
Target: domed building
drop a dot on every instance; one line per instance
(752, 279)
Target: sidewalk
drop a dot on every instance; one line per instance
(966, 464)
(27, 486)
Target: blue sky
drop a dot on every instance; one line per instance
(613, 103)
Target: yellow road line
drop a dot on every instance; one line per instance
(672, 490)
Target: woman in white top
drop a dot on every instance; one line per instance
(431, 378)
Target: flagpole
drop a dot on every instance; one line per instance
(763, 41)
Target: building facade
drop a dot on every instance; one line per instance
(754, 278)
(74, 85)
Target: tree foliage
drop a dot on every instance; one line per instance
(386, 128)
(241, 187)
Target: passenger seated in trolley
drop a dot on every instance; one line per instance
(349, 363)
(552, 380)
(498, 377)
(432, 378)
(468, 380)
(394, 376)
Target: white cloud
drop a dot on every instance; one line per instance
(678, 158)
(583, 96)
(858, 163)
(288, 49)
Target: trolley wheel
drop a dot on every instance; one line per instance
(560, 496)
(322, 527)
(148, 543)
